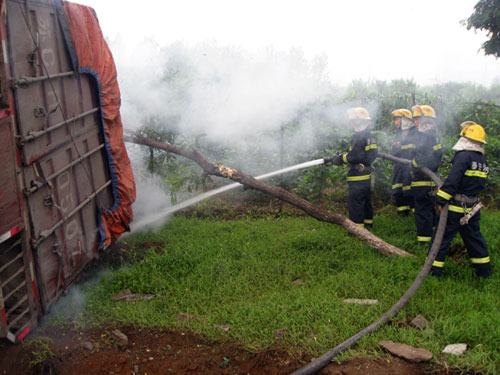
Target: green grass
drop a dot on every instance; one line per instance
(240, 273)
(40, 351)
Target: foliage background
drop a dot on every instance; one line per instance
(486, 17)
(314, 133)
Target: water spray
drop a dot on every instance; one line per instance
(166, 211)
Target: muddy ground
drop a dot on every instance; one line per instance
(67, 350)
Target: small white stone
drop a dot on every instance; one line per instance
(455, 349)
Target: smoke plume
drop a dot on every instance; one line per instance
(229, 98)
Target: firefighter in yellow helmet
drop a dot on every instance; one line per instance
(460, 189)
(361, 154)
(403, 147)
(428, 153)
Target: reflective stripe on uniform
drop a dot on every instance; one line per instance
(480, 260)
(395, 186)
(414, 163)
(360, 224)
(371, 147)
(422, 183)
(344, 158)
(438, 264)
(368, 221)
(408, 146)
(359, 178)
(403, 208)
(460, 210)
(443, 194)
(406, 187)
(437, 147)
(423, 239)
(474, 173)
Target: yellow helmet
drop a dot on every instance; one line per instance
(396, 113)
(406, 113)
(464, 125)
(474, 132)
(358, 113)
(423, 110)
(427, 111)
(417, 111)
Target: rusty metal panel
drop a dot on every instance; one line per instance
(39, 50)
(64, 161)
(10, 209)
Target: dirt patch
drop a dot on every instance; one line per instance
(458, 253)
(230, 206)
(67, 350)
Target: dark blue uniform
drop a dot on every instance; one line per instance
(428, 153)
(461, 188)
(401, 181)
(361, 155)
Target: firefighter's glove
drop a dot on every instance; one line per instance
(335, 160)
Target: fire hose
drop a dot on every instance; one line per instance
(407, 162)
(317, 364)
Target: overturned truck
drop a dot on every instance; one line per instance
(66, 183)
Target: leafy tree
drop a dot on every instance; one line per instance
(486, 16)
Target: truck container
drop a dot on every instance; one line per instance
(66, 185)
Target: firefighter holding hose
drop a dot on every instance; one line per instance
(460, 189)
(403, 146)
(428, 153)
(361, 154)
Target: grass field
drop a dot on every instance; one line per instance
(241, 273)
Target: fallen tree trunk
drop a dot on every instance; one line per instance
(280, 193)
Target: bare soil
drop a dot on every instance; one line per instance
(67, 350)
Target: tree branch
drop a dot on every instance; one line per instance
(278, 192)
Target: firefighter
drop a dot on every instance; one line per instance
(403, 147)
(361, 154)
(460, 189)
(428, 153)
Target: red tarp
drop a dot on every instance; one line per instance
(95, 58)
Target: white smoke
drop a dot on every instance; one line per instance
(151, 196)
(230, 96)
(225, 93)
(71, 304)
